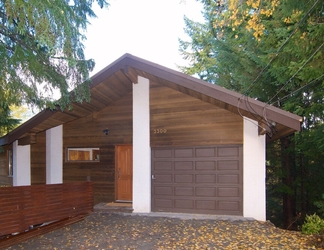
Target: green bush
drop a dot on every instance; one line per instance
(313, 224)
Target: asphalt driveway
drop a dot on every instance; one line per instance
(128, 231)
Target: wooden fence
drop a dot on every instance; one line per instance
(26, 206)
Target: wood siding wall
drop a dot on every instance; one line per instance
(180, 120)
(38, 160)
(176, 120)
(88, 132)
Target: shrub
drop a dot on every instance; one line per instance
(313, 224)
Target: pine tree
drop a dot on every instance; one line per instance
(41, 51)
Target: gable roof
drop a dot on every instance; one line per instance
(115, 80)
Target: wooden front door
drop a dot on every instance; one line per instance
(124, 172)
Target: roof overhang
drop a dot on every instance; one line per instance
(116, 80)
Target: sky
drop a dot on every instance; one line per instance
(148, 29)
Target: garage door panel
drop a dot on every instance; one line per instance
(228, 179)
(161, 190)
(228, 205)
(184, 191)
(183, 165)
(205, 152)
(228, 165)
(184, 153)
(163, 165)
(163, 178)
(185, 204)
(163, 204)
(205, 165)
(204, 178)
(198, 180)
(205, 191)
(183, 178)
(228, 192)
(206, 205)
(228, 152)
(163, 153)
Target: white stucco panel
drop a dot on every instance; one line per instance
(254, 189)
(54, 155)
(21, 165)
(141, 147)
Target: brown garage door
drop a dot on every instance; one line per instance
(198, 180)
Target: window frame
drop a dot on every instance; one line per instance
(10, 162)
(92, 151)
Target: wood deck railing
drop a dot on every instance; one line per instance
(26, 206)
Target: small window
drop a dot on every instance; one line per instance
(9, 161)
(83, 154)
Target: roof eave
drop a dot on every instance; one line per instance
(230, 97)
(25, 127)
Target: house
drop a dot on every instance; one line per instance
(158, 138)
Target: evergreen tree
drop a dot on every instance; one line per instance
(41, 51)
(7, 121)
(273, 51)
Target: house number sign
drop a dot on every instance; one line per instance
(160, 131)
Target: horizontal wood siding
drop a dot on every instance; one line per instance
(178, 119)
(88, 132)
(38, 159)
(187, 121)
(100, 173)
(25, 206)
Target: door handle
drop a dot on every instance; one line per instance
(153, 177)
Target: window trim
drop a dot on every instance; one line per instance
(91, 151)
(10, 162)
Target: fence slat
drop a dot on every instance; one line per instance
(25, 206)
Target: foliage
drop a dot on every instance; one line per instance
(41, 51)
(320, 205)
(249, 13)
(21, 112)
(274, 191)
(7, 121)
(313, 224)
(10, 118)
(273, 51)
